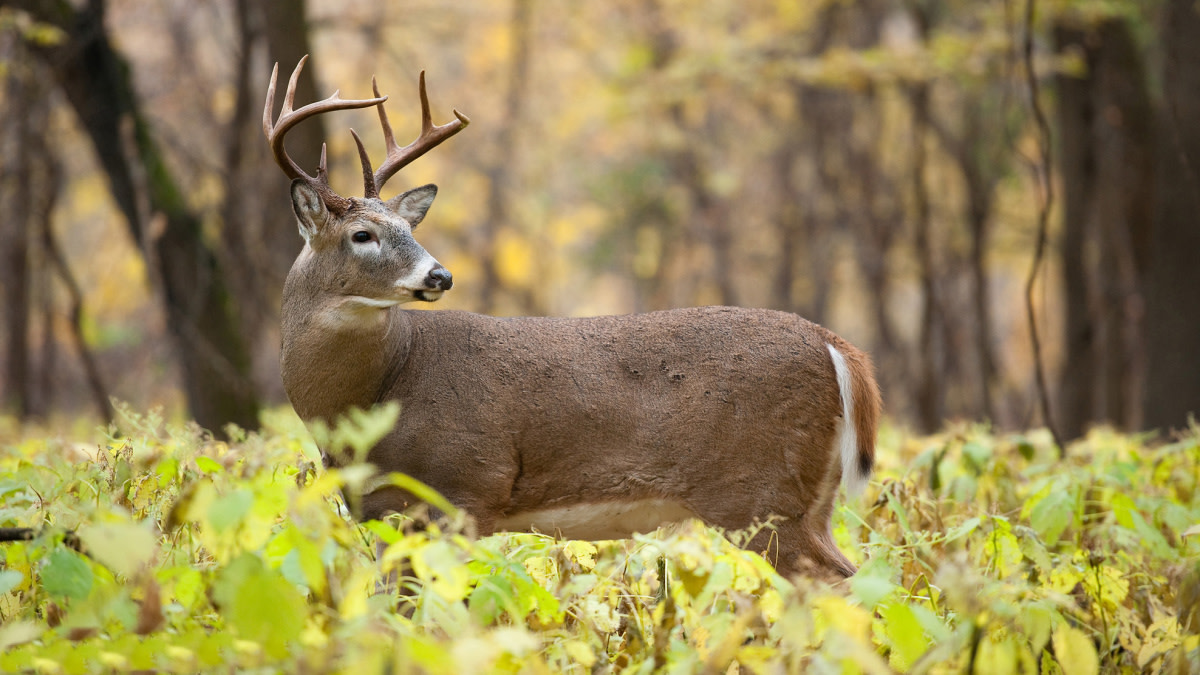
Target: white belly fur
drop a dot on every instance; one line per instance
(607, 520)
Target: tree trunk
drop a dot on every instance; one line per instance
(200, 312)
(1108, 178)
(22, 109)
(1172, 320)
(1078, 172)
(930, 376)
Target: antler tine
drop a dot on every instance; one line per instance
(369, 190)
(431, 136)
(275, 130)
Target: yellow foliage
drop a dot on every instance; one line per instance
(516, 260)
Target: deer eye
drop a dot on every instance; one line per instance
(361, 237)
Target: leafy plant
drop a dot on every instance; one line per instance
(978, 553)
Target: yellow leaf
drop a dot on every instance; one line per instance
(601, 614)
(997, 654)
(1161, 637)
(844, 617)
(543, 570)
(1075, 652)
(580, 653)
(1064, 578)
(582, 553)
(121, 547)
(515, 260)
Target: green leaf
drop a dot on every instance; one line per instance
(1026, 449)
(260, 604)
(67, 575)
(874, 582)
(1130, 517)
(10, 579)
(1052, 514)
(962, 529)
(229, 510)
(422, 492)
(492, 597)
(976, 456)
(904, 634)
(208, 464)
(900, 511)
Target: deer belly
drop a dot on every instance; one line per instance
(597, 521)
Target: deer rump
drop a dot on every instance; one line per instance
(601, 427)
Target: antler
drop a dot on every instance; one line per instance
(288, 118)
(398, 157)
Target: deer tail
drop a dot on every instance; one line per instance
(860, 415)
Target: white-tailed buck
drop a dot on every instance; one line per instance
(591, 428)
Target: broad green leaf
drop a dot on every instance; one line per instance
(10, 579)
(1052, 515)
(260, 604)
(931, 623)
(976, 455)
(1037, 620)
(228, 510)
(208, 465)
(904, 635)
(873, 582)
(1130, 517)
(67, 575)
(492, 597)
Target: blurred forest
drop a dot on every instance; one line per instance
(878, 166)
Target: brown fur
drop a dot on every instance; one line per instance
(731, 411)
(729, 414)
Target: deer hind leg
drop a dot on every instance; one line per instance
(802, 546)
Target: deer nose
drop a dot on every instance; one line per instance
(439, 278)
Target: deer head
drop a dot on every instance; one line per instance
(362, 249)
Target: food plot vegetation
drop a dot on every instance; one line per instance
(162, 549)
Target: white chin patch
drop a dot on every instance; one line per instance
(378, 303)
(428, 295)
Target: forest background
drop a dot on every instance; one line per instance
(888, 168)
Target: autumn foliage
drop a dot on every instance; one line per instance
(978, 553)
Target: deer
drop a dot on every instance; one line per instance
(588, 428)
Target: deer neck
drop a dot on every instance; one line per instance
(338, 353)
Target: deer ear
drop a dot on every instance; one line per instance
(413, 205)
(311, 212)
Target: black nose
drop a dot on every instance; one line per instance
(440, 278)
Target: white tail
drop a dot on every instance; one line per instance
(847, 436)
(591, 428)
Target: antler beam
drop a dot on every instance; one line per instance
(275, 131)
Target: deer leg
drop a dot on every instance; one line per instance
(797, 546)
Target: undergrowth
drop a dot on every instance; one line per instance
(162, 549)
